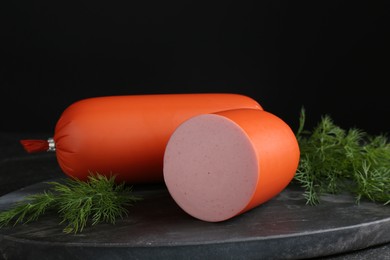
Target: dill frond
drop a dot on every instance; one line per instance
(334, 160)
(77, 202)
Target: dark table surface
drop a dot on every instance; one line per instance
(345, 231)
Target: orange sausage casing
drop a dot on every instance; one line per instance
(126, 135)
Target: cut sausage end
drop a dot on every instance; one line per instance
(211, 168)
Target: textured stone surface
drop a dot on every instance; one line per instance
(156, 228)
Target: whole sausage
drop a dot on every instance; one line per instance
(126, 135)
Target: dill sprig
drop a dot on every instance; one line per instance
(99, 199)
(334, 160)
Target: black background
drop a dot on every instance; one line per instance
(332, 57)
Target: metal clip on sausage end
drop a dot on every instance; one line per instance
(52, 145)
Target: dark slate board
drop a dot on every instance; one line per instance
(156, 228)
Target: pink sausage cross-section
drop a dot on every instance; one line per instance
(217, 166)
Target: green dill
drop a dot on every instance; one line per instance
(334, 160)
(99, 199)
